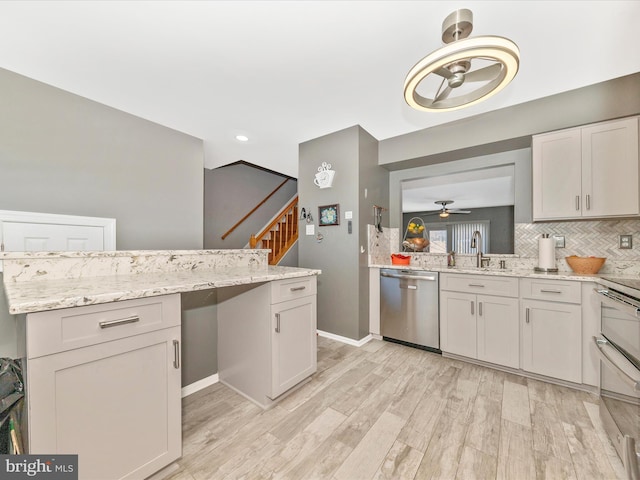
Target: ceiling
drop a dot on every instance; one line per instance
(487, 187)
(284, 72)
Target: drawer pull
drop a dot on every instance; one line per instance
(277, 323)
(551, 291)
(297, 289)
(176, 354)
(476, 285)
(121, 321)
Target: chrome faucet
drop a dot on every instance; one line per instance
(476, 242)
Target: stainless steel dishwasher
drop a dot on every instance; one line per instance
(409, 308)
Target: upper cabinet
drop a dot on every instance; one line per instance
(587, 172)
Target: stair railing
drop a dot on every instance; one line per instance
(282, 232)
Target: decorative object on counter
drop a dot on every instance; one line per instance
(451, 259)
(414, 236)
(546, 254)
(329, 215)
(496, 60)
(585, 265)
(324, 177)
(398, 259)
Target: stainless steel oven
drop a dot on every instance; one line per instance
(619, 348)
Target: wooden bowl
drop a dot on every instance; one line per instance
(585, 265)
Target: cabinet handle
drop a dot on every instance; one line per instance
(176, 354)
(480, 308)
(120, 321)
(472, 309)
(588, 202)
(476, 285)
(526, 315)
(277, 323)
(550, 291)
(297, 289)
(577, 202)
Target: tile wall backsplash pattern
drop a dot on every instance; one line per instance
(587, 237)
(382, 245)
(597, 238)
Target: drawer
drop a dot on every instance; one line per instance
(481, 284)
(283, 290)
(554, 290)
(70, 328)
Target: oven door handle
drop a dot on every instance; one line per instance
(614, 302)
(602, 345)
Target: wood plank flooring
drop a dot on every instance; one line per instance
(386, 411)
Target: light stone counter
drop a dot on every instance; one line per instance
(35, 282)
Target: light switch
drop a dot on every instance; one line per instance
(348, 215)
(310, 229)
(559, 241)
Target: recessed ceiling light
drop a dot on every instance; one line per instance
(242, 138)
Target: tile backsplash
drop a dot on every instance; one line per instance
(582, 237)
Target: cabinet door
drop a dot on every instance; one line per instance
(498, 330)
(117, 405)
(610, 169)
(557, 175)
(458, 323)
(552, 339)
(293, 341)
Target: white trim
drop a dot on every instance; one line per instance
(348, 341)
(199, 385)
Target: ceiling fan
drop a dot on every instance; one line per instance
(444, 211)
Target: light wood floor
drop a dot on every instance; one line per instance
(388, 411)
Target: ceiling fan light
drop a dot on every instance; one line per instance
(444, 214)
(499, 49)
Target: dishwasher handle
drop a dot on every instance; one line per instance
(408, 277)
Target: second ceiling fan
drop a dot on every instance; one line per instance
(444, 211)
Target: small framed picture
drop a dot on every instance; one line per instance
(329, 215)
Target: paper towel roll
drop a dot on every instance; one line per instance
(546, 253)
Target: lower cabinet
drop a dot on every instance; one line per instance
(267, 340)
(552, 328)
(115, 401)
(480, 326)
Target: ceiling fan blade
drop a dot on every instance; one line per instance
(484, 74)
(443, 94)
(443, 72)
(459, 211)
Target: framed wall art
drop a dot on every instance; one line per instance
(329, 215)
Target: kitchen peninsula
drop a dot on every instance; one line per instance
(99, 334)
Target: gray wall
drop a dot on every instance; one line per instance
(62, 153)
(511, 128)
(343, 288)
(231, 192)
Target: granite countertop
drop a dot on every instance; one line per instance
(37, 284)
(28, 297)
(524, 273)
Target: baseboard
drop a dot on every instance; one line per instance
(348, 341)
(199, 385)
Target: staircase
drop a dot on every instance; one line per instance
(280, 235)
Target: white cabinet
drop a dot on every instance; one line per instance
(551, 318)
(479, 317)
(267, 337)
(103, 382)
(587, 172)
